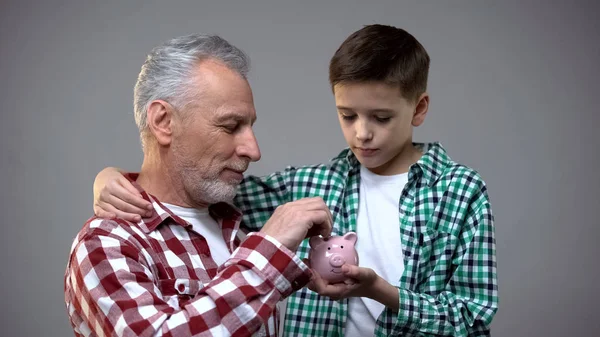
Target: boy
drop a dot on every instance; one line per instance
(426, 238)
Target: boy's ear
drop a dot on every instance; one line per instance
(421, 109)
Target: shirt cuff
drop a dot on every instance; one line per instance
(274, 261)
(409, 312)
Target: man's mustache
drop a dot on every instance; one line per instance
(239, 166)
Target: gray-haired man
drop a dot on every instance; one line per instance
(182, 270)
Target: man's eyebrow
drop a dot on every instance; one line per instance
(235, 116)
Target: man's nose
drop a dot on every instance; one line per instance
(249, 147)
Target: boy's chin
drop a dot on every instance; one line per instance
(372, 164)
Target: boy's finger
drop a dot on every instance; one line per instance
(130, 194)
(125, 207)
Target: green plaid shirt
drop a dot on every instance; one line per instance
(449, 285)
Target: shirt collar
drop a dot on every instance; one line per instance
(226, 214)
(429, 167)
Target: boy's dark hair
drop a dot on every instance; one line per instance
(384, 54)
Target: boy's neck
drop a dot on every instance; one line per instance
(401, 163)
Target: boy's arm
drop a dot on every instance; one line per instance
(115, 292)
(258, 197)
(470, 301)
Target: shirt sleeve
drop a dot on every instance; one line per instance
(115, 291)
(258, 197)
(469, 302)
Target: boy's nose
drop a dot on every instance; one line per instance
(362, 132)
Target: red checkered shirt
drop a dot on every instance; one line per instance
(157, 278)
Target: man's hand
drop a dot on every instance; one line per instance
(293, 222)
(361, 282)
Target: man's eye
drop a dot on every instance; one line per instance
(231, 127)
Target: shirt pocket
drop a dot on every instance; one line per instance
(435, 249)
(177, 291)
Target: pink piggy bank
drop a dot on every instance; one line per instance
(326, 256)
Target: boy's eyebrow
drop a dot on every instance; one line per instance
(369, 111)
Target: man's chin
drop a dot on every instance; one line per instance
(216, 191)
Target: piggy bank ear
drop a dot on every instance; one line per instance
(315, 241)
(351, 236)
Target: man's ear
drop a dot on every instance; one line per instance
(421, 109)
(160, 121)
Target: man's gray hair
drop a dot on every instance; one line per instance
(166, 74)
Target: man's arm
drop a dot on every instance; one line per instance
(470, 301)
(116, 293)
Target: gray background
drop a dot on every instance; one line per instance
(513, 94)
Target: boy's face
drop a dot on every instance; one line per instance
(377, 123)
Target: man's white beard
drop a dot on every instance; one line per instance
(212, 191)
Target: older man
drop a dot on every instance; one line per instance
(183, 270)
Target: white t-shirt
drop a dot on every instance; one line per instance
(378, 244)
(206, 226)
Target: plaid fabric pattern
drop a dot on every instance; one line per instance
(449, 286)
(157, 278)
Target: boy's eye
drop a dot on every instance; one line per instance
(383, 119)
(348, 117)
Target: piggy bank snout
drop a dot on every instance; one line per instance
(337, 260)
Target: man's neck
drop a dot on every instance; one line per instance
(158, 178)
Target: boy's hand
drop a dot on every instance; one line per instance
(115, 196)
(361, 282)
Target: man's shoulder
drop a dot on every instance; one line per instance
(115, 228)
